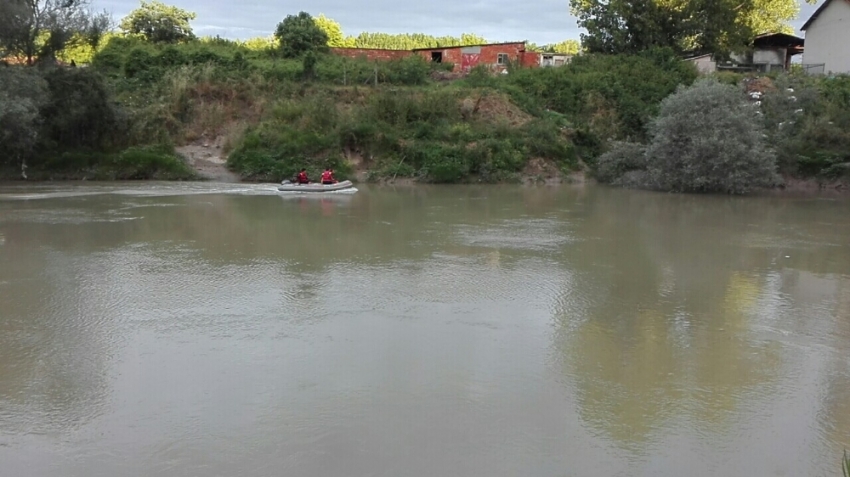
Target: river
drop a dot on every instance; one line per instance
(151, 329)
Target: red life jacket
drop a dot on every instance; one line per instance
(327, 176)
(302, 178)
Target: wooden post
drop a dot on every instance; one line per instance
(376, 75)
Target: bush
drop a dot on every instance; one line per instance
(412, 70)
(620, 91)
(707, 138)
(620, 160)
(152, 162)
(139, 62)
(808, 121)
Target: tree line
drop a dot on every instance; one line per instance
(44, 28)
(711, 26)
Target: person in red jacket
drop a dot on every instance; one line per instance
(302, 178)
(328, 176)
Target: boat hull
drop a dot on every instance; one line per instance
(313, 188)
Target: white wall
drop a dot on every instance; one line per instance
(769, 57)
(828, 38)
(704, 64)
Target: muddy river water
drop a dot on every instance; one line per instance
(207, 330)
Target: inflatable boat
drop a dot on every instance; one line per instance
(339, 186)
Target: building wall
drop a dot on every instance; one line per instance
(463, 59)
(769, 56)
(553, 59)
(828, 38)
(704, 64)
(371, 54)
(466, 58)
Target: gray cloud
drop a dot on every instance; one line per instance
(542, 21)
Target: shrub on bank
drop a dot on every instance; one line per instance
(624, 164)
(808, 121)
(135, 163)
(706, 138)
(611, 96)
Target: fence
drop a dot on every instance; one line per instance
(813, 68)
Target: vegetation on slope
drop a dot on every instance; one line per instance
(277, 105)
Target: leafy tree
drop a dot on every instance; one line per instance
(334, 32)
(409, 41)
(708, 138)
(299, 34)
(719, 26)
(159, 23)
(259, 43)
(79, 112)
(44, 28)
(568, 47)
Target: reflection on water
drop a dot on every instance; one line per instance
(187, 329)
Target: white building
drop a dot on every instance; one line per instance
(828, 38)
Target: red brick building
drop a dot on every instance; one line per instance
(496, 56)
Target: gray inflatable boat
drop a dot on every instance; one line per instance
(292, 187)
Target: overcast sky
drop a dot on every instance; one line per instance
(541, 21)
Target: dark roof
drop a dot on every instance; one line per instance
(469, 46)
(778, 39)
(815, 15)
(692, 55)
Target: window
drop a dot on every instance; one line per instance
(437, 56)
(502, 59)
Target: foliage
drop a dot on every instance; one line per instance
(707, 138)
(717, 26)
(299, 34)
(151, 162)
(422, 133)
(79, 113)
(808, 121)
(62, 121)
(22, 95)
(845, 464)
(160, 23)
(410, 41)
(333, 30)
(568, 47)
(622, 160)
(606, 96)
(44, 28)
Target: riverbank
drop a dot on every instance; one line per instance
(219, 111)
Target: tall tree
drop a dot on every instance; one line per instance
(718, 26)
(159, 23)
(299, 34)
(333, 30)
(43, 28)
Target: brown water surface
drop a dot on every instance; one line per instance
(223, 330)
